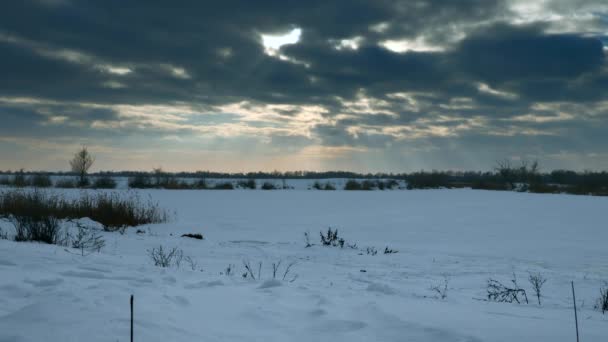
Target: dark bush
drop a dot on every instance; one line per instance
(368, 185)
(173, 183)
(40, 181)
(326, 186)
(247, 184)
(223, 186)
(19, 180)
(5, 181)
(483, 184)
(65, 183)
(140, 181)
(36, 228)
(428, 180)
(332, 239)
(104, 182)
(200, 184)
(109, 209)
(352, 185)
(268, 186)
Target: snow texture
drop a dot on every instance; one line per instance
(51, 293)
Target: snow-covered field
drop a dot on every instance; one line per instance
(48, 293)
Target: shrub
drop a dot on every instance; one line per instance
(5, 181)
(268, 186)
(488, 185)
(426, 180)
(140, 181)
(40, 181)
(327, 186)
(390, 251)
(36, 228)
(114, 211)
(223, 186)
(174, 184)
(163, 258)
(87, 240)
(65, 183)
(331, 239)
(104, 182)
(247, 184)
(501, 293)
(109, 209)
(352, 185)
(19, 179)
(364, 185)
(200, 184)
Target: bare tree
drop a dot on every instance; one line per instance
(81, 163)
(537, 281)
(507, 172)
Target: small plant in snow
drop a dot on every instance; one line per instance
(602, 302)
(371, 250)
(537, 281)
(229, 271)
(331, 239)
(87, 240)
(250, 272)
(442, 288)
(307, 239)
(276, 268)
(277, 273)
(500, 293)
(164, 258)
(193, 264)
(389, 251)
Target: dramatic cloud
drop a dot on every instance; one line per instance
(245, 85)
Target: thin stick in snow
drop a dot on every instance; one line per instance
(131, 318)
(575, 316)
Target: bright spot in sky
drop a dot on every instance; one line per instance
(417, 45)
(273, 42)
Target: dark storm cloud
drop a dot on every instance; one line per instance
(478, 63)
(504, 53)
(144, 35)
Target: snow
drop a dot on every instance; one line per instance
(52, 293)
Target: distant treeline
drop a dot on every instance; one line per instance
(235, 175)
(524, 177)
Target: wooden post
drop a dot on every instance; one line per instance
(575, 316)
(131, 318)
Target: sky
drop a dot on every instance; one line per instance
(367, 86)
